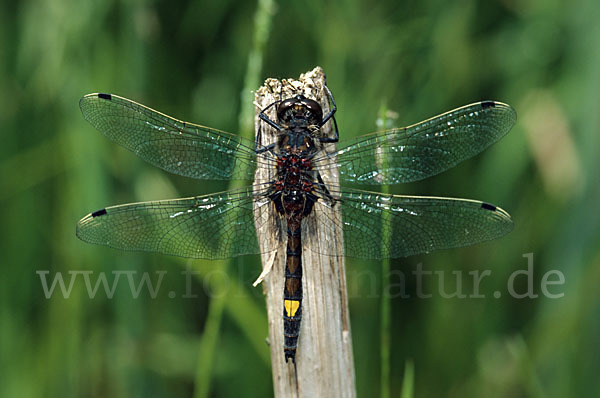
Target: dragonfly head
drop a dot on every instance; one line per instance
(299, 111)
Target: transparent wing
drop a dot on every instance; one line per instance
(179, 147)
(214, 226)
(427, 148)
(388, 226)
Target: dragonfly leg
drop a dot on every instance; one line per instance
(324, 191)
(267, 148)
(263, 116)
(330, 115)
(258, 148)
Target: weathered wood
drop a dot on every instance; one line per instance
(324, 362)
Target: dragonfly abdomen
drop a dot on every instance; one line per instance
(292, 291)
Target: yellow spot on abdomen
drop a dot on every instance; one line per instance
(291, 306)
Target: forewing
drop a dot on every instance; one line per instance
(389, 226)
(427, 148)
(179, 147)
(214, 226)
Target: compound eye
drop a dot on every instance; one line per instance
(313, 107)
(282, 109)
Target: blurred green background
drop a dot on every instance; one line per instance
(199, 62)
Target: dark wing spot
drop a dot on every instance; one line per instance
(488, 104)
(488, 206)
(99, 213)
(105, 96)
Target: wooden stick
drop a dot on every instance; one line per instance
(324, 363)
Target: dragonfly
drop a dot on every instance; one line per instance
(224, 225)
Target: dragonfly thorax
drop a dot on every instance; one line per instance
(298, 142)
(293, 174)
(293, 184)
